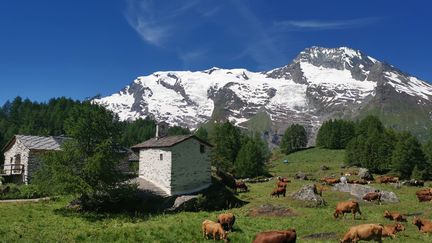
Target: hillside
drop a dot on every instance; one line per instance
(46, 222)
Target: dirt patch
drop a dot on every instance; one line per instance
(269, 210)
(322, 236)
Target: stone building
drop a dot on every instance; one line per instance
(22, 156)
(176, 164)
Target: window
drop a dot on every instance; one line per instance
(160, 156)
(202, 148)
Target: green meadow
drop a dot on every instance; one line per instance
(51, 222)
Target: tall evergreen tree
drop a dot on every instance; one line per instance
(407, 155)
(178, 130)
(226, 139)
(335, 134)
(294, 138)
(88, 164)
(202, 133)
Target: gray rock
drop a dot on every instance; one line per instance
(301, 176)
(309, 195)
(359, 191)
(365, 174)
(183, 203)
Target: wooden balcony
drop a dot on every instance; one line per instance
(13, 169)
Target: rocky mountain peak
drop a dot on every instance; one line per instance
(320, 83)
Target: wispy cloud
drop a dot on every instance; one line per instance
(192, 56)
(300, 25)
(152, 23)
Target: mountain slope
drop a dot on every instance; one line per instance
(318, 84)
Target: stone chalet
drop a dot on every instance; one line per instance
(22, 155)
(176, 164)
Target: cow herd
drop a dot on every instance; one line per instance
(225, 221)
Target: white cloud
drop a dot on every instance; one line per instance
(153, 24)
(296, 25)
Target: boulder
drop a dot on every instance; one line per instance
(359, 191)
(365, 174)
(301, 176)
(309, 195)
(184, 203)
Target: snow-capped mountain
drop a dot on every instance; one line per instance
(318, 84)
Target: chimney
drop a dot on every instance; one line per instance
(161, 130)
(157, 131)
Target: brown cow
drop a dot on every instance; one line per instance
(424, 198)
(363, 232)
(425, 191)
(347, 207)
(226, 220)
(276, 236)
(387, 179)
(424, 225)
(215, 229)
(424, 195)
(391, 230)
(395, 216)
(330, 180)
(278, 191)
(284, 179)
(241, 185)
(320, 188)
(360, 182)
(281, 184)
(372, 196)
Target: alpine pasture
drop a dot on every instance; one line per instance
(52, 222)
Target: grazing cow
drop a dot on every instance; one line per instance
(281, 184)
(320, 188)
(276, 236)
(426, 191)
(360, 182)
(391, 230)
(424, 225)
(424, 198)
(424, 195)
(372, 196)
(283, 179)
(347, 207)
(241, 186)
(363, 232)
(387, 179)
(330, 181)
(395, 216)
(215, 229)
(226, 220)
(278, 191)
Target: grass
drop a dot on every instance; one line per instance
(50, 222)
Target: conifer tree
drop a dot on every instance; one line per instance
(294, 138)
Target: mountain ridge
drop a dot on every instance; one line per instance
(320, 83)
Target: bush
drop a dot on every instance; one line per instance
(20, 192)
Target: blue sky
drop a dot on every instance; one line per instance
(82, 48)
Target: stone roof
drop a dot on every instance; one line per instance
(168, 141)
(38, 142)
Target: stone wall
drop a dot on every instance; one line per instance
(10, 158)
(153, 169)
(191, 169)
